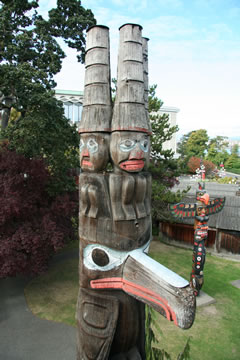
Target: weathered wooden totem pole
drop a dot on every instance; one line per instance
(116, 276)
(200, 211)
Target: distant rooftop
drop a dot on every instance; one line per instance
(68, 92)
(169, 109)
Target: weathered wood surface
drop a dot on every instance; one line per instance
(129, 109)
(115, 209)
(97, 104)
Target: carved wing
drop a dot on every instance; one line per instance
(215, 206)
(182, 210)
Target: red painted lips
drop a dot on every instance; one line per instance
(86, 163)
(132, 165)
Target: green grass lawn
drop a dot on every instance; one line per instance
(215, 333)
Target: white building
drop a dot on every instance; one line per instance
(73, 101)
(172, 112)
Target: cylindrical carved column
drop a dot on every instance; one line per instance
(97, 105)
(116, 277)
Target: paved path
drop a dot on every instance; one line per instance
(23, 336)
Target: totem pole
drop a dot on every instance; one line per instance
(116, 276)
(200, 211)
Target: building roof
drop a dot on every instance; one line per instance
(71, 96)
(68, 92)
(229, 217)
(168, 109)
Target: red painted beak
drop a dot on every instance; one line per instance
(205, 199)
(148, 281)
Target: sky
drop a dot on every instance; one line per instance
(194, 56)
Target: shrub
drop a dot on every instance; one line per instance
(33, 225)
(194, 164)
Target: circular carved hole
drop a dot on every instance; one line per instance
(100, 257)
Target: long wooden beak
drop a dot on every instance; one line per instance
(152, 283)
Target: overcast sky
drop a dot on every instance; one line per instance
(194, 56)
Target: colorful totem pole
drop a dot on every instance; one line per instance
(200, 211)
(116, 276)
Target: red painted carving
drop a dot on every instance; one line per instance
(115, 209)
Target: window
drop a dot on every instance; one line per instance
(73, 111)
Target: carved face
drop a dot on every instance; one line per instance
(201, 210)
(94, 151)
(200, 194)
(130, 150)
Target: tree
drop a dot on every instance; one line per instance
(29, 58)
(47, 134)
(194, 164)
(197, 143)
(33, 225)
(217, 150)
(182, 151)
(29, 53)
(182, 145)
(163, 167)
(37, 209)
(233, 161)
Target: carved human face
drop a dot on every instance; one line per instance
(201, 210)
(94, 151)
(130, 150)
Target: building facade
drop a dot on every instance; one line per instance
(73, 102)
(172, 113)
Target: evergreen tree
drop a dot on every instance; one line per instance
(163, 166)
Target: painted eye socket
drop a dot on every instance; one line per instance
(127, 145)
(92, 145)
(144, 145)
(81, 145)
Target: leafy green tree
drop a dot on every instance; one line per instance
(30, 55)
(163, 166)
(197, 143)
(217, 151)
(233, 161)
(182, 151)
(181, 145)
(47, 134)
(235, 150)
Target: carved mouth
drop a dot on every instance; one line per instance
(86, 163)
(132, 165)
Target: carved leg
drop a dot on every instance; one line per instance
(127, 197)
(147, 199)
(141, 185)
(93, 197)
(115, 183)
(84, 199)
(97, 317)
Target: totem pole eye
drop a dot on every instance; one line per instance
(144, 145)
(127, 145)
(92, 145)
(81, 145)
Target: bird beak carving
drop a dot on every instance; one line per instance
(152, 283)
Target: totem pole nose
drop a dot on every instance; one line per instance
(136, 153)
(85, 152)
